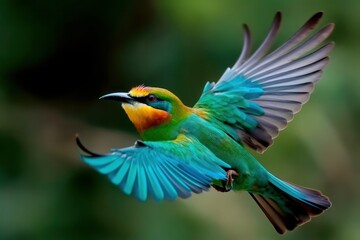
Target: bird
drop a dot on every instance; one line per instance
(184, 150)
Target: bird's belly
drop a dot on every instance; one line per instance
(224, 147)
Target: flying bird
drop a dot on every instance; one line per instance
(186, 150)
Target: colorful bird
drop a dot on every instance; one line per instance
(189, 149)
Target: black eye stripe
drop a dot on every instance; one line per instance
(145, 99)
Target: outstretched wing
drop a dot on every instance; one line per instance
(260, 94)
(161, 170)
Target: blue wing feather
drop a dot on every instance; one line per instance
(168, 189)
(182, 190)
(101, 160)
(109, 168)
(193, 180)
(120, 174)
(154, 187)
(161, 170)
(130, 180)
(141, 186)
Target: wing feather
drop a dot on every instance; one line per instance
(299, 36)
(264, 47)
(246, 47)
(118, 176)
(154, 187)
(160, 170)
(259, 95)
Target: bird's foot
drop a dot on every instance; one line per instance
(229, 178)
(229, 181)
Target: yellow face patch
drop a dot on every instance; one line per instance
(144, 116)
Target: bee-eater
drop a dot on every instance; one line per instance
(189, 149)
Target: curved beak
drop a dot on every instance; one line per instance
(120, 97)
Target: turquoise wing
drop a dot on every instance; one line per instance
(259, 95)
(160, 170)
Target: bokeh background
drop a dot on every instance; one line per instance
(58, 57)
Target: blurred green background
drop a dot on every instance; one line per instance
(58, 57)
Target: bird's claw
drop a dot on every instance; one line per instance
(229, 178)
(229, 181)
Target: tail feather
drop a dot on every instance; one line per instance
(288, 206)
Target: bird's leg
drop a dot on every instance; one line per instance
(229, 180)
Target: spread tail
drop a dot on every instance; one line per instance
(288, 206)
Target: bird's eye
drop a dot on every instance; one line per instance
(151, 98)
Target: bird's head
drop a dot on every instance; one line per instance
(149, 107)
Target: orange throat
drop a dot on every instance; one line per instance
(145, 117)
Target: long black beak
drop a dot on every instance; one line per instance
(120, 97)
